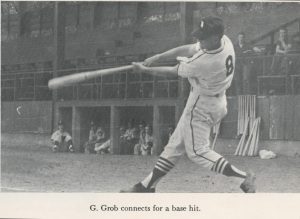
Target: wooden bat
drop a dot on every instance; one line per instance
(241, 142)
(247, 109)
(252, 137)
(246, 146)
(255, 153)
(251, 111)
(72, 79)
(242, 115)
(239, 115)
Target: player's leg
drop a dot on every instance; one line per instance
(137, 149)
(198, 149)
(88, 147)
(69, 144)
(55, 147)
(172, 152)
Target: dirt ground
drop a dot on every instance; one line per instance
(37, 169)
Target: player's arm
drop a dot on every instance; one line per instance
(54, 136)
(278, 50)
(256, 49)
(157, 71)
(185, 50)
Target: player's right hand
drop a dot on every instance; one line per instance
(139, 67)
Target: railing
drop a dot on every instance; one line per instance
(126, 85)
(32, 85)
(26, 86)
(271, 34)
(260, 75)
(266, 75)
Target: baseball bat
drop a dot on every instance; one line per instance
(240, 146)
(72, 79)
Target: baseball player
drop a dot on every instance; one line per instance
(147, 145)
(89, 146)
(61, 140)
(209, 67)
(101, 144)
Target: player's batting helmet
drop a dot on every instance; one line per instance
(209, 26)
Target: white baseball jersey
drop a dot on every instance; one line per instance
(209, 72)
(58, 136)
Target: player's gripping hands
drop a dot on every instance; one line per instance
(139, 67)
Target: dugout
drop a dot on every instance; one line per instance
(158, 117)
(77, 122)
(111, 117)
(136, 114)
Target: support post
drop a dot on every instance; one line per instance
(59, 49)
(157, 144)
(114, 129)
(186, 27)
(76, 128)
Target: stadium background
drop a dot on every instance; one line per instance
(41, 40)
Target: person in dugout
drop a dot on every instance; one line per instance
(61, 140)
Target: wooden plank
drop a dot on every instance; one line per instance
(240, 146)
(263, 110)
(256, 146)
(250, 137)
(296, 119)
(239, 115)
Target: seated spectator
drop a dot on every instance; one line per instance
(103, 148)
(280, 60)
(89, 146)
(170, 132)
(137, 147)
(100, 140)
(244, 65)
(147, 144)
(122, 140)
(61, 140)
(132, 138)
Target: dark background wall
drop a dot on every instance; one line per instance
(139, 29)
(32, 117)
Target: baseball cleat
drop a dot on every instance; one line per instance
(138, 188)
(71, 149)
(54, 148)
(248, 186)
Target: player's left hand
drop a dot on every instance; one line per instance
(138, 67)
